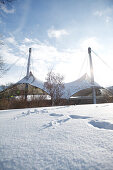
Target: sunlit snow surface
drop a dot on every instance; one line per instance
(57, 138)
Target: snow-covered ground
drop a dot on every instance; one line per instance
(57, 138)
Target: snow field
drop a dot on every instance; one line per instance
(65, 137)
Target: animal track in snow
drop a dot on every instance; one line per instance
(101, 125)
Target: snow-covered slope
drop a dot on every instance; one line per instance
(57, 138)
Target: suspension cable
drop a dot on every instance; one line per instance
(82, 66)
(102, 60)
(9, 67)
(23, 71)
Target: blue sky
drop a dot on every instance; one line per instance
(59, 33)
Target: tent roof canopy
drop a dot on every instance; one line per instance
(79, 87)
(80, 84)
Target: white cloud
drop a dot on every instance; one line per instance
(53, 33)
(105, 14)
(67, 62)
(98, 13)
(6, 10)
(92, 42)
(11, 40)
(44, 56)
(9, 57)
(108, 19)
(28, 40)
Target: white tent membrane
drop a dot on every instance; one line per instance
(81, 84)
(70, 88)
(31, 80)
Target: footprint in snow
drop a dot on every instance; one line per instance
(63, 120)
(55, 123)
(43, 111)
(78, 117)
(30, 112)
(23, 114)
(54, 114)
(105, 105)
(101, 124)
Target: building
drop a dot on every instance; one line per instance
(76, 92)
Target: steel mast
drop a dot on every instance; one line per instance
(92, 76)
(28, 64)
(27, 74)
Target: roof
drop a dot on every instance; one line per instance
(83, 83)
(70, 88)
(32, 81)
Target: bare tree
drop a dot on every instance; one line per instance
(4, 4)
(55, 86)
(6, 1)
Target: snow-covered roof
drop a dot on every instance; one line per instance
(70, 88)
(32, 81)
(83, 83)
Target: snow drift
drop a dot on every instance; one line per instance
(67, 137)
